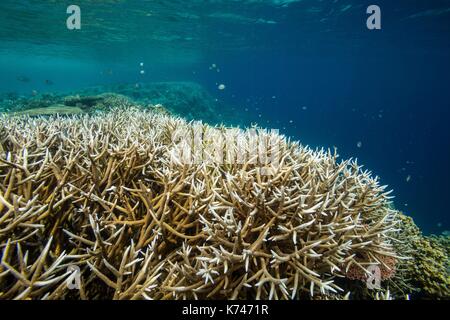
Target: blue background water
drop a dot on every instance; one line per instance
(310, 68)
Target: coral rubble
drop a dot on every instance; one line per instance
(108, 195)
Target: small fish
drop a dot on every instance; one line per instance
(23, 79)
(106, 72)
(48, 82)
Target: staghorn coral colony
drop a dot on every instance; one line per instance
(108, 202)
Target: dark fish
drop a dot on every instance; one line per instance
(48, 82)
(23, 79)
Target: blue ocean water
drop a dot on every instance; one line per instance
(310, 68)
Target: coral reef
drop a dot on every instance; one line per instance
(431, 268)
(426, 272)
(93, 103)
(109, 194)
(187, 99)
(423, 271)
(58, 103)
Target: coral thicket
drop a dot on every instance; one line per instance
(109, 195)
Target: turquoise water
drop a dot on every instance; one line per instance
(309, 68)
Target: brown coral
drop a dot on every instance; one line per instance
(425, 273)
(386, 265)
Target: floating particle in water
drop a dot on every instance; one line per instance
(439, 224)
(142, 71)
(304, 108)
(274, 97)
(218, 70)
(213, 65)
(141, 64)
(221, 86)
(259, 115)
(246, 109)
(408, 178)
(291, 121)
(359, 144)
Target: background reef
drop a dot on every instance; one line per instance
(104, 190)
(187, 99)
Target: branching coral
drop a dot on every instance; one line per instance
(108, 193)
